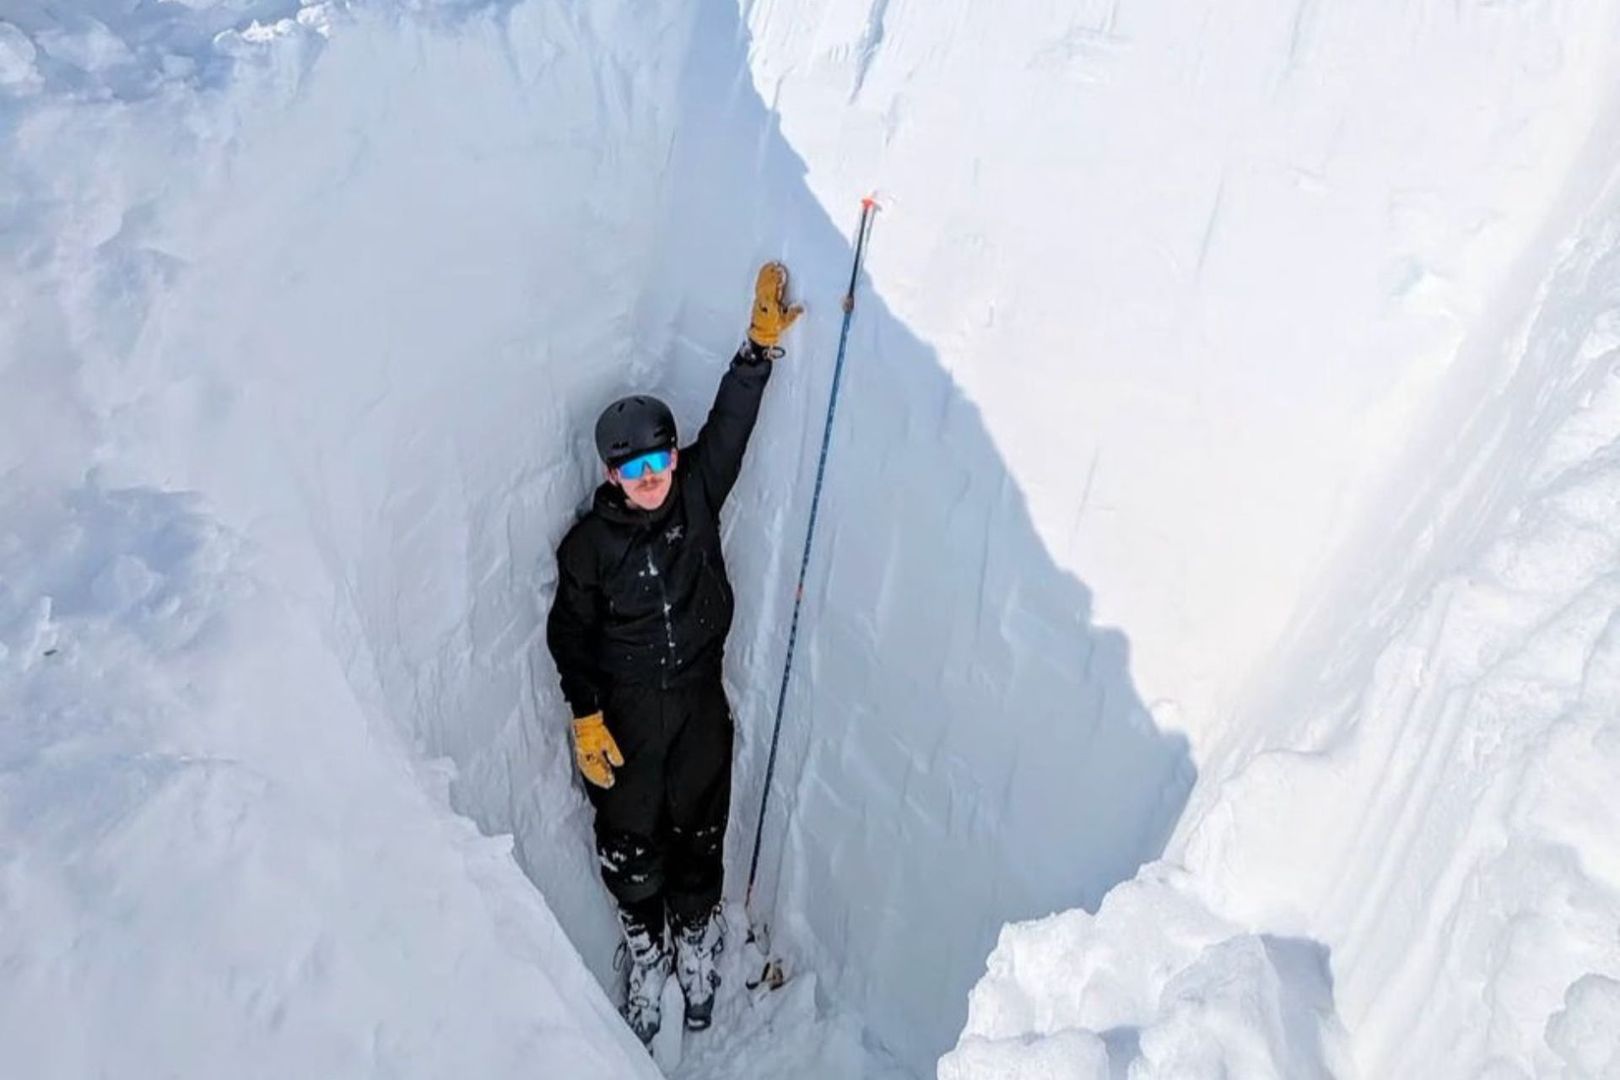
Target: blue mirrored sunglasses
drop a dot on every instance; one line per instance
(637, 467)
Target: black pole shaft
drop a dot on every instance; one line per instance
(861, 230)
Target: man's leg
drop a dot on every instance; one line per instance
(649, 964)
(698, 791)
(631, 849)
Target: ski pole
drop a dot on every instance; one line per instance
(869, 207)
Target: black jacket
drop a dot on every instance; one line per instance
(642, 596)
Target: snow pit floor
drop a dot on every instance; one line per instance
(765, 1032)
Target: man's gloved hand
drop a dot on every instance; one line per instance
(595, 750)
(772, 315)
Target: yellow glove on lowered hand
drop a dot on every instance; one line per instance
(772, 315)
(595, 750)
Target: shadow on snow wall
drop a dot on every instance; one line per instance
(962, 747)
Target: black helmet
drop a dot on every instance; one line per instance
(634, 426)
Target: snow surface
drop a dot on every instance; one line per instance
(1436, 813)
(1236, 391)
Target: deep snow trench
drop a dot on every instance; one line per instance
(919, 827)
(309, 308)
(375, 332)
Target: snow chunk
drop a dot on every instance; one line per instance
(1072, 1055)
(1586, 1032)
(1155, 983)
(18, 72)
(91, 47)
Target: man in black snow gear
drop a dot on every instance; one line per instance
(638, 630)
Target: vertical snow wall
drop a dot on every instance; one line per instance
(211, 863)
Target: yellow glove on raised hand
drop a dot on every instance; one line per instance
(771, 316)
(595, 750)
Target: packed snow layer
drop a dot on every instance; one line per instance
(1433, 807)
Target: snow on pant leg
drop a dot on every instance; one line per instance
(642, 917)
(698, 792)
(630, 826)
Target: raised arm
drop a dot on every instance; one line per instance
(721, 444)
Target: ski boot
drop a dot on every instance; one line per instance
(697, 948)
(648, 960)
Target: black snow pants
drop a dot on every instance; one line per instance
(661, 827)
